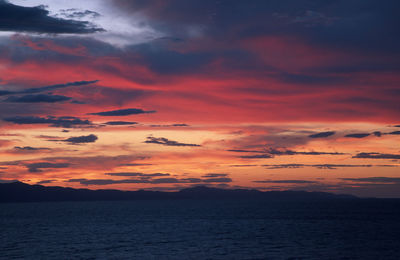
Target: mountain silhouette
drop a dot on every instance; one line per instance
(22, 192)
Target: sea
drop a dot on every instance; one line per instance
(201, 229)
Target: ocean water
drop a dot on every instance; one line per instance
(196, 229)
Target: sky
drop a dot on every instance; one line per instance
(163, 95)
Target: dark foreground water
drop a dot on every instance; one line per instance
(184, 229)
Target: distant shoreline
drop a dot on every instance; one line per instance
(22, 192)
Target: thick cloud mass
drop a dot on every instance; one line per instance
(377, 156)
(41, 98)
(120, 123)
(357, 135)
(322, 134)
(37, 20)
(123, 112)
(82, 139)
(65, 122)
(37, 167)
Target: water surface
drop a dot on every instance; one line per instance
(194, 229)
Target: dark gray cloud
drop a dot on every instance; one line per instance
(65, 122)
(215, 175)
(287, 181)
(273, 151)
(359, 135)
(217, 180)
(47, 88)
(133, 181)
(374, 179)
(394, 133)
(257, 156)
(305, 79)
(245, 151)
(322, 134)
(138, 174)
(73, 13)
(357, 25)
(111, 96)
(284, 166)
(123, 112)
(166, 61)
(41, 98)
(37, 167)
(149, 180)
(377, 156)
(30, 149)
(377, 133)
(173, 125)
(323, 166)
(165, 141)
(81, 139)
(16, 18)
(135, 164)
(120, 123)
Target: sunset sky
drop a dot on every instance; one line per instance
(167, 94)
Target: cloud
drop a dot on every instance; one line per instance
(360, 135)
(5, 142)
(137, 174)
(374, 179)
(257, 156)
(287, 181)
(173, 125)
(72, 13)
(377, 156)
(120, 123)
(57, 86)
(41, 98)
(65, 122)
(394, 133)
(217, 180)
(124, 181)
(81, 139)
(322, 166)
(47, 88)
(30, 149)
(214, 175)
(165, 141)
(245, 151)
(284, 166)
(135, 164)
(377, 133)
(150, 180)
(17, 18)
(278, 152)
(98, 163)
(37, 167)
(322, 134)
(5, 92)
(164, 60)
(339, 24)
(123, 112)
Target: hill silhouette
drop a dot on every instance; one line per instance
(22, 192)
